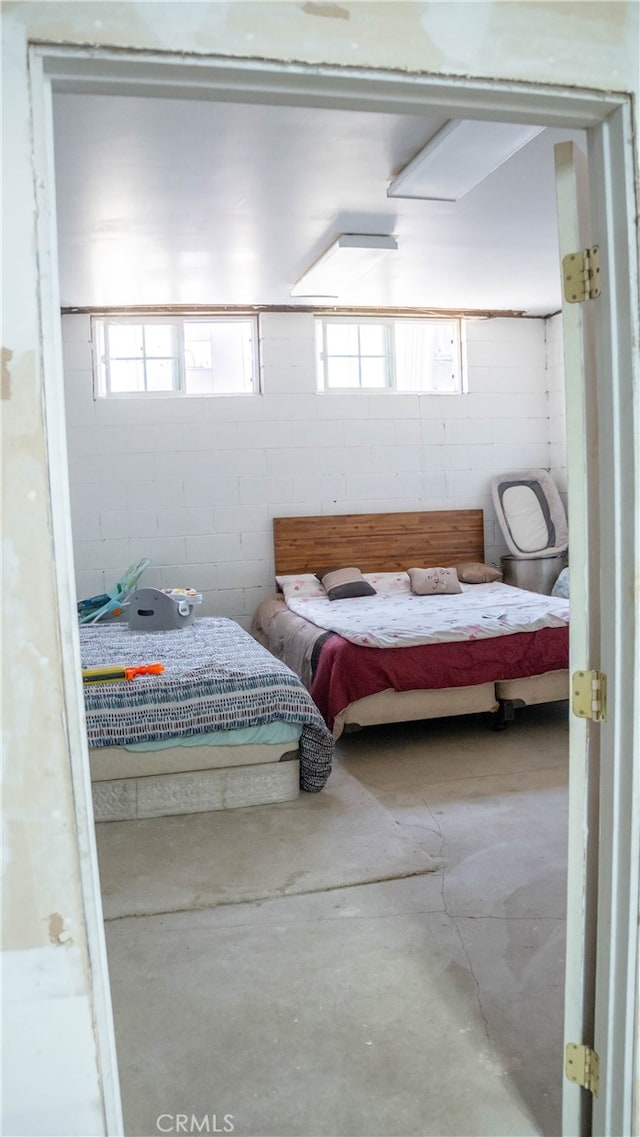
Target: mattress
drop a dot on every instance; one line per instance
(216, 678)
(165, 758)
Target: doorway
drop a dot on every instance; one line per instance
(329, 85)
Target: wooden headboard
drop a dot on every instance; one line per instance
(385, 542)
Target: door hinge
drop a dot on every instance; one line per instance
(582, 1066)
(589, 695)
(581, 275)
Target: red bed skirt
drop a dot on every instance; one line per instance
(347, 671)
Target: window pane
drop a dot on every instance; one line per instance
(426, 356)
(342, 339)
(160, 339)
(373, 339)
(199, 381)
(125, 341)
(343, 373)
(374, 372)
(197, 347)
(230, 370)
(161, 374)
(175, 355)
(126, 375)
(222, 364)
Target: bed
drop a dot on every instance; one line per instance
(513, 650)
(225, 724)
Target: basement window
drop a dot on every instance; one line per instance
(385, 353)
(175, 355)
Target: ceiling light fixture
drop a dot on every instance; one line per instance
(458, 157)
(347, 259)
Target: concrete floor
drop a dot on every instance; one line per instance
(429, 1004)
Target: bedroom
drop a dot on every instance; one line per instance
(194, 484)
(180, 39)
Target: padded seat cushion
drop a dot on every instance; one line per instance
(530, 513)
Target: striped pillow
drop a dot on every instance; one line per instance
(345, 584)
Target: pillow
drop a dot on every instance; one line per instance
(432, 581)
(388, 582)
(346, 583)
(474, 572)
(300, 587)
(561, 587)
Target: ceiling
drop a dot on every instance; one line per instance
(167, 201)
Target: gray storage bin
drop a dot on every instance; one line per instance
(152, 610)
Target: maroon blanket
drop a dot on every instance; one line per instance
(346, 671)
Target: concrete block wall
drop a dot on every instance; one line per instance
(194, 483)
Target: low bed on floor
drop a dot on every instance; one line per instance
(371, 660)
(224, 725)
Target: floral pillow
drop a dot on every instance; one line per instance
(434, 581)
(304, 586)
(388, 582)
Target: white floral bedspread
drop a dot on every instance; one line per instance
(401, 619)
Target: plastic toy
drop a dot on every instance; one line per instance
(112, 603)
(115, 672)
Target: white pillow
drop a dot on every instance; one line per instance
(388, 582)
(301, 587)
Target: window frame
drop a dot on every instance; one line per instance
(358, 322)
(389, 322)
(100, 323)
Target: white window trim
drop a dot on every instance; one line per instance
(389, 321)
(178, 320)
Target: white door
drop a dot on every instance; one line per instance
(604, 839)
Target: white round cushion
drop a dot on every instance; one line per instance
(525, 518)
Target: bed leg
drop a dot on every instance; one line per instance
(506, 712)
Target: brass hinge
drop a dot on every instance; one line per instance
(581, 275)
(582, 1066)
(589, 695)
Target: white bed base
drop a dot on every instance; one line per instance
(548, 688)
(405, 706)
(130, 784)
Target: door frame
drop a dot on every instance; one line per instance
(606, 117)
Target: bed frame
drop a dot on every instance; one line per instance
(191, 779)
(390, 542)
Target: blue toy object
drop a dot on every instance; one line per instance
(112, 603)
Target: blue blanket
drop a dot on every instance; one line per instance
(216, 677)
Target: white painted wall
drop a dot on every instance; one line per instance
(590, 45)
(194, 483)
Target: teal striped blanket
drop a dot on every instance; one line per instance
(216, 677)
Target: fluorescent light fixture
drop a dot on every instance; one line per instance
(349, 258)
(458, 157)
